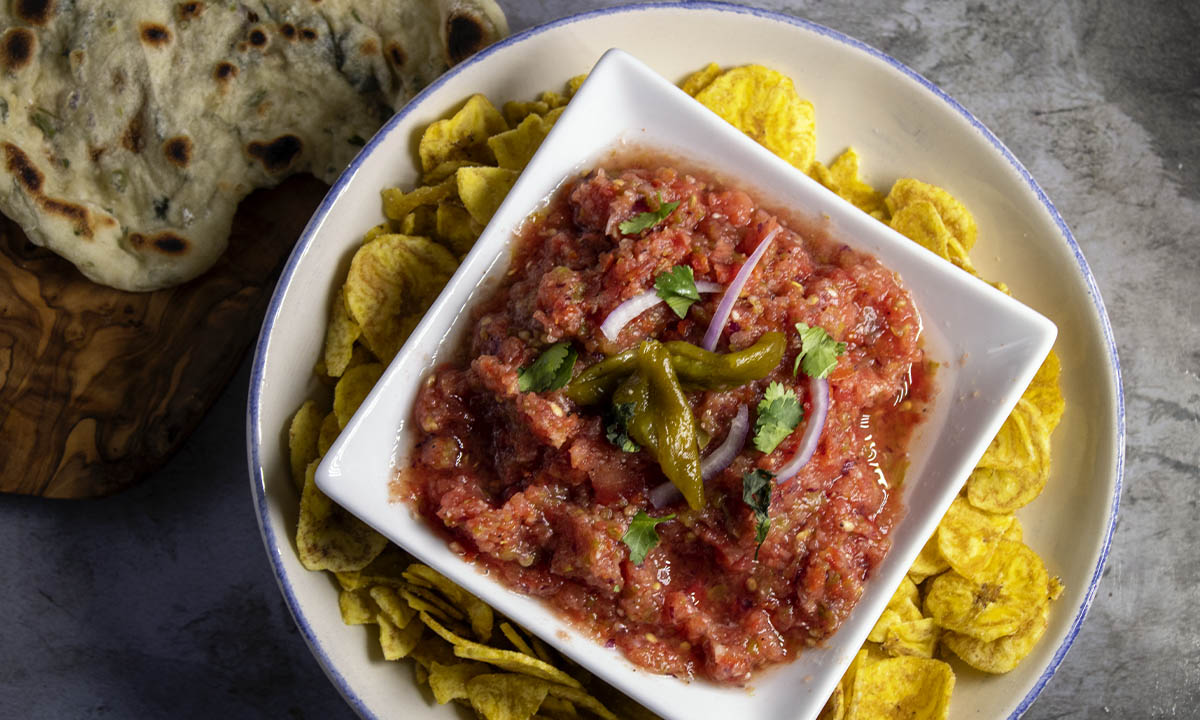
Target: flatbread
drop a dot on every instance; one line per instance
(130, 131)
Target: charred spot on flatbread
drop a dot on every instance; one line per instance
(165, 242)
(308, 34)
(155, 34)
(22, 169)
(277, 155)
(396, 54)
(464, 36)
(258, 38)
(178, 150)
(76, 214)
(16, 49)
(224, 72)
(188, 10)
(288, 30)
(34, 12)
(134, 138)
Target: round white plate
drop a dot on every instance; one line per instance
(902, 126)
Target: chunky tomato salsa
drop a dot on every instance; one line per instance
(680, 421)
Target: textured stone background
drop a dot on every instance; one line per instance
(159, 602)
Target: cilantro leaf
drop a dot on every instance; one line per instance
(551, 371)
(778, 415)
(818, 353)
(645, 221)
(678, 287)
(756, 492)
(615, 429)
(641, 537)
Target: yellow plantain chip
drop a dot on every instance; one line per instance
(1044, 394)
(420, 674)
(929, 562)
(478, 613)
(339, 337)
(907, 191)
(421, 221)
(482, 189)
(433, 649)
(397, 204)
(328, 433)
(514, 148)
(847, 183)
(1015, 532)
(1010, 590)
(1015, 467)
(835, 706)
(449, 682)
(397, 642)
(352, 389)
(515, 638)
(302, 440)
(574, 83)
(463, 136)
(392, 281)
(330, 538)
(357, 607)
(455, 228)
(555, 708)
(901, 607)
(1003, 654)
(763, 104)
(914, 688)
(383, 228)
(921, 223)
(967, 537)
(700, 79)
(553, 100)
(504, 659)
(391, 604)
(581, 698)
(506, 696)
(446, 170)
(916, 638)
(424, 601)
(515, 112)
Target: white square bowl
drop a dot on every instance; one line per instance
(989, 347)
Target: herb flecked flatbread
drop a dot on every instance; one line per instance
(129, 131)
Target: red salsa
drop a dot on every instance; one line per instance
(528, 485)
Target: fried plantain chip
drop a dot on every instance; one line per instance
(463, 136)
(1044, 393)
(328, 537)
(700, 79)
(929, 561)
(504, 659)
(1015, 467)
(1009, 590)
(960, 222)
(478, 613)
(352, 389)
(901, 607)
(397, 204)
(846, 182)
(356, 607)
(1002, 654)
(482, 189)
(421, 221)
(392, 605)
(455, 228)
(449, 682)
(506, 696)
(514, 148)
(392, 281)
(916, 638)
(763, 104)
(902, 687)
(339, 337)
(328, 433)
(581, 698)
(967, 537)
(397, 642)
(302, 440)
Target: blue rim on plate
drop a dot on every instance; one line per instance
(257, 481)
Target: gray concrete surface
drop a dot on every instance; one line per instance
(159, 602)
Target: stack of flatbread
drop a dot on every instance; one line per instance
(129, 131)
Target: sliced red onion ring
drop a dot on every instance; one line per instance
(725, 307)
(640, 303)
(720, 458)
(715, 462)
(819, 388)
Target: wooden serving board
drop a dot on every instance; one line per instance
(99, 386)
